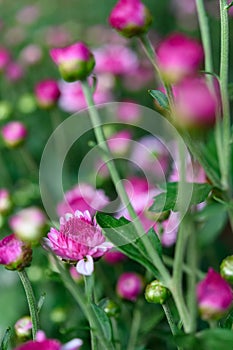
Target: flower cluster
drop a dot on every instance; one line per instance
(78, 241)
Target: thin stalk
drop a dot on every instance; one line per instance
(89, 284)
(177, 291)
(149, 51)
(224, 67)
(170, 320)
(81, 300)
(116, 334)
(135, 326)
(31, 302)
(187, 269)
(205, 34)
(107, 157)
(191, 280)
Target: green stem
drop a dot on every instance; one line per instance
(224, 67)
(150, 53)
(86, 307)
(170, 320)
(170, 262)
(108, 159)
(191, 281)
(89, 284)
(177, 277)
(195, 150)
(31, 302)
(116, 334)
(135, 326)
(205, 34)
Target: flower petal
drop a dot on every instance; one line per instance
(73, 344)
(85, 266)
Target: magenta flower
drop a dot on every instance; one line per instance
(128, 112)
(42, 343)
(82, 197)
(78, 241)
(31, 55)
(196, 105)
(14, 71)
(129, 286)
(141, 195)
(115, 59)
(178, 56)
(14, 133)
(75, 62)
(5, 201)
(151, 156)
(47, 93)
(119, 143)
(214, 296)
(130, 18)
(28, 224)
(23, 326)
(114, 257)
(4, 58)
(14, 253)
(72, 98)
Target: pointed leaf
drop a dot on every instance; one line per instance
(122, 230)
(6, 339)
(103, 320)
(161, 101)
(168, 200)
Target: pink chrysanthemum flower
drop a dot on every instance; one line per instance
(214, 296)
(75, 62)
(43, 343)
(79, 240)
(82, 197)
(130, 18)
(178, 56)
(14, 253)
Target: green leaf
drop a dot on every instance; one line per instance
(122, 233)
(103, 320)
(6, 338)
(161, 101)
(215, 339)
(212, 220)
(230, 5)
(195, 194)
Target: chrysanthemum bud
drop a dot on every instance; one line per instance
(156, 292)
(178, 56)
(196, 105)
(5, 201)
(15, 254)
(47, 93)
(28, 224)
(23, 327)
(226, 269)
(214, 296)
(110, 307)
(75, 62)
(129, 286)
(5, 110)
(14, 133)
(130, 18)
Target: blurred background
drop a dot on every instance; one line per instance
(28, 31)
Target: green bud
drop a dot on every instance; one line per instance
(226, 269)
(5, 110)
(110, 307)
(156, 292)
